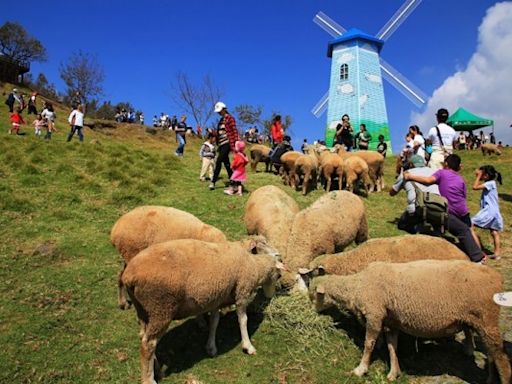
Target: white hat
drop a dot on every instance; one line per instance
(15, 90)
(219, 106)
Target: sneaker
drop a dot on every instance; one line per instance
(211, 186)
(202, 179)
(229, 192)
(483, 260)
(494, 257)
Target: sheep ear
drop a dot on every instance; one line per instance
(321, 270)
(305, 271)
(320, 290)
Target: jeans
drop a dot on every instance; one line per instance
(78, 129)
(181, 144)
(222, 158)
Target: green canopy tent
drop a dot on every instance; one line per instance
(462, 120)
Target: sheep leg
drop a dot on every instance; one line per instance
(211, 348)
(392, 341)
(496, 356)
(305, 183)
(122, 301)
(372, 333)
(328, 184)
(468, 345)
(153, 332)
(242, 322)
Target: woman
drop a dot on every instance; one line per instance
(363, 137)
(277, 132)
(181, 129)
(418, 141)
(344, 133)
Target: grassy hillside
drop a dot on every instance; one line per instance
(59, 321)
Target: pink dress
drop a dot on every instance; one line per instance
(238, 166)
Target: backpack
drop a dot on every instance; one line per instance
(431, 208)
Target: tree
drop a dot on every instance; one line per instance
(248, 115)
(43, 87)
(17, 45)
(196, 100)
(82, 73)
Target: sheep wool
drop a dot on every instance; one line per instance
(259, 152)
(490, 149)
(426, 298)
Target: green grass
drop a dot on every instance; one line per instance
(59, 321)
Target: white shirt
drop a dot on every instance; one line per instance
(79, 118)
(420, 151)
(447, 133)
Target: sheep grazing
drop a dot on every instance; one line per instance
(287, 165)
(259, 153)
(490, 149)
(397, 249)
(147, 225)
(354, 169)
(181, 278)
(269, 211)
(331, 223)
(427, 298)
(305, 166)
(331, 165)
(375, 163)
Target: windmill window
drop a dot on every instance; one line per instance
(344, 72)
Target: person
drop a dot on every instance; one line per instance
(141, 118)
(163, 120)
(16, 121)
(462, 141)
(155, 121)
(181, 129)
(49, 115)
(418, 142)
(276, 131)
(363, 138)
(76, 100)
(276, 153)
(227, 135)
(304, 145)
(442, 137)
(344, 133)
(409, 221)
(32, 106)
(174, 122)
(492, 138)
(207, 156)
(76, 120)
(489, 216)
(382, 146)
(21, 101)
(39, 124)
(11, 98)
(239, 175)
(482, 137)
(407, 150)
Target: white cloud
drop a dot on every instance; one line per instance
(484, 86)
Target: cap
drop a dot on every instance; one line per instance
(219, 106)
(442, 113)
(15, 90)
(417, 161)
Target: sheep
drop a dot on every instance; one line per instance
(269, 211)
(330, 224)
(397, 249)
(260, 153)
(287, 161)
(331, 165)
(490, 149)
(355, 168)
(375, 163)
(426, 298)
(305, 165)
(181, 278)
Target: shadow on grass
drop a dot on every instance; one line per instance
(420, 357)
(184, 345)
(505, 197)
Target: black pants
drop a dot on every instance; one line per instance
(222, 158)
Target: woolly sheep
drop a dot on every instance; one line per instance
(330, 224)
(287, 164)
(397, 249)
(490, 149)
(306, 166)
(259, 153)
(355, 168)
(427, 298)
(375, 163)
(269, 211)
(331, 165)
(181, 278)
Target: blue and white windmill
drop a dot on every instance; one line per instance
(357, 69)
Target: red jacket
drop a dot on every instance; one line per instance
(277, 132)
(16, 118)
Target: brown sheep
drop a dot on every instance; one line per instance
(490, 149)
(182, 278)
(354, 169)
(375, 163)
(426, 298)
(306, 166)
(287, 165)
(259, 153)
(331, 165)
(269, 211)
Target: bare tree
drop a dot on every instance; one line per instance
(248, 115)
(83, 73)
(196, 100)
(17, 45)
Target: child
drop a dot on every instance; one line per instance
(239, 174)
(39, 124)
(16, 120)
(489, 216)
(408, 149)
(382, 147)
(207, 155)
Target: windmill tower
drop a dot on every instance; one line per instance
(355, 86)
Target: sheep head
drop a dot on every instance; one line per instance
(269, 286)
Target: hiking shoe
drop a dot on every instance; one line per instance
(211, 186)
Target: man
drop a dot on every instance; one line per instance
(76, 120)
(442, 137)
(227, 135)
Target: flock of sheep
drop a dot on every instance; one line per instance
(320, 164)
(176, 266)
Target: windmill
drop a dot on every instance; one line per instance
(357, 70)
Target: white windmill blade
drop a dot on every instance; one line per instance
(321, 106)
(328, 24)
(401, 83)
(397, 19)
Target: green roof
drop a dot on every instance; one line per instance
(463, 120)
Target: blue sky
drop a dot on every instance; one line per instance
(267, 53)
